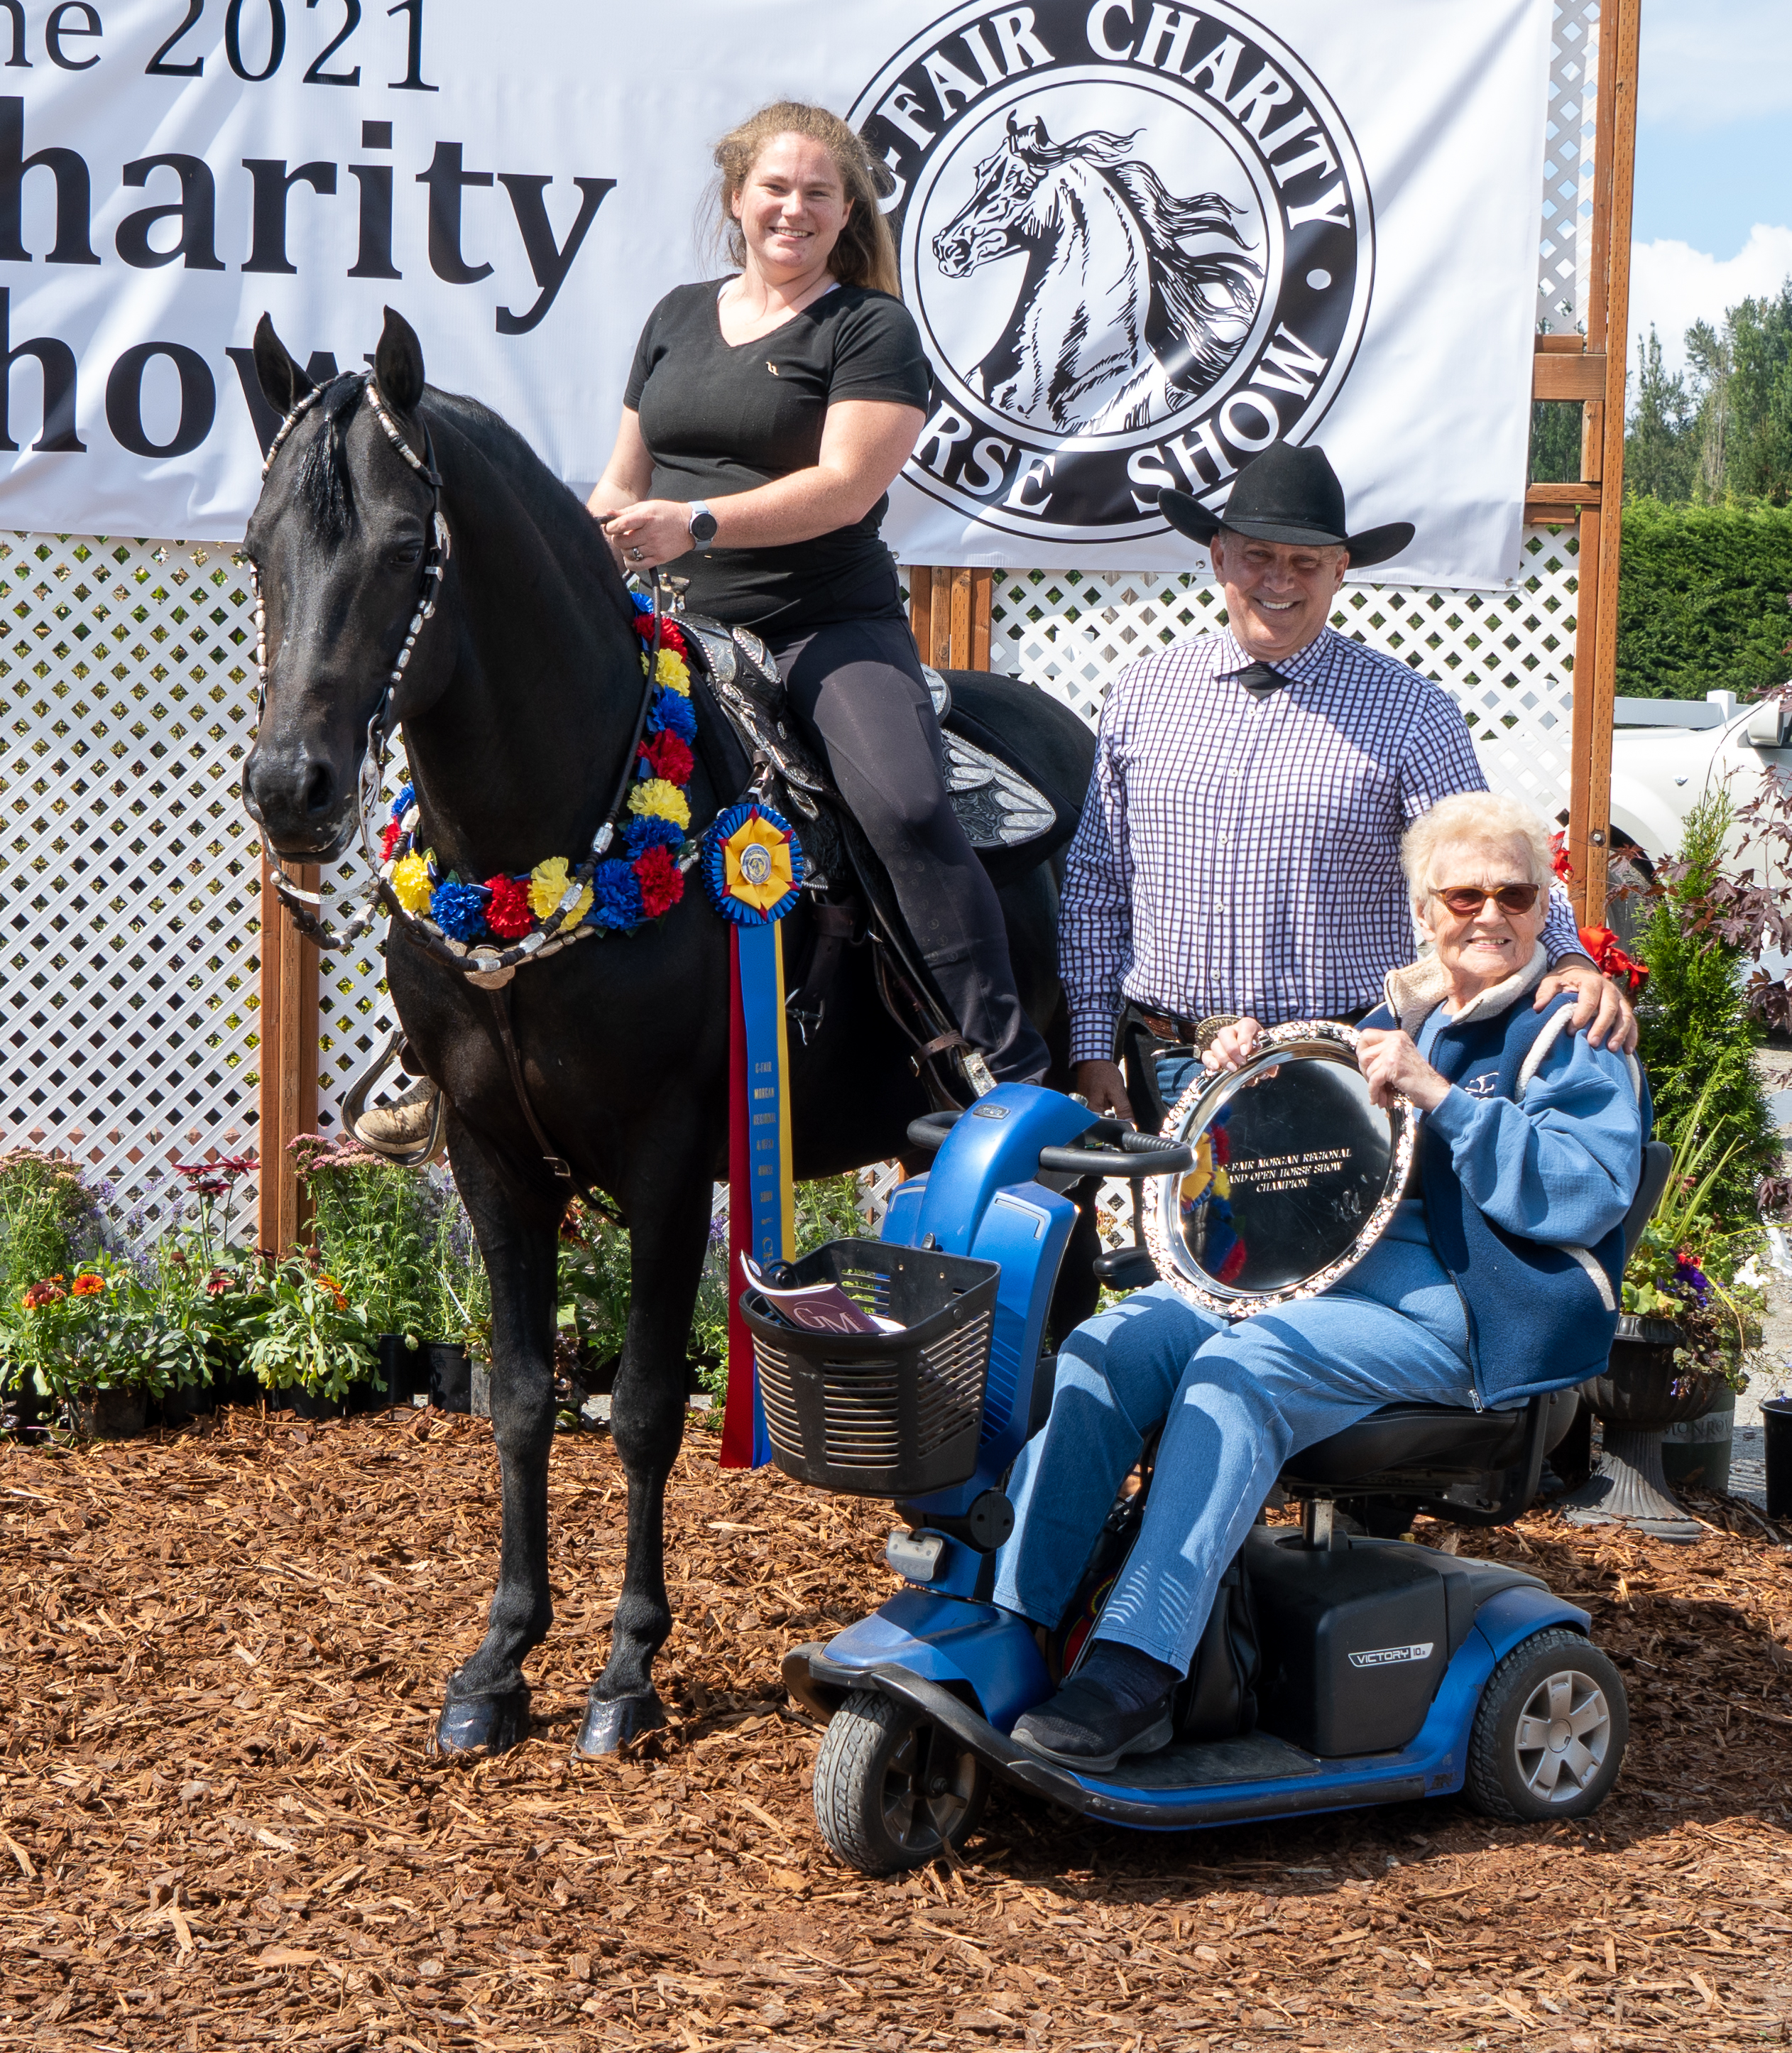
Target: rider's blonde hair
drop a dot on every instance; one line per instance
(1473, 818)
(865, 253)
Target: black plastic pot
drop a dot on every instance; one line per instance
(110, 1415)
(1776, 1435)
(1695, 1452)
(404, 1371)
(187, 1402)
(450, 1376)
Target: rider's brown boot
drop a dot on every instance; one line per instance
(405, 1124)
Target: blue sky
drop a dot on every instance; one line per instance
(1713, 217)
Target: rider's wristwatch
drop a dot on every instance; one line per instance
(701, 525)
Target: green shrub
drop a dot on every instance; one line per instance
(1698, 1037)
(1701, 600)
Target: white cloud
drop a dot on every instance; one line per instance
(1700, 67)
(1673, 285)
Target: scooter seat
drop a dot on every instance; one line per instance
(1438, 1438)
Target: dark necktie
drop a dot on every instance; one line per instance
(1259, 680)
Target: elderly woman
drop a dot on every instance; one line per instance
(1499, 1281)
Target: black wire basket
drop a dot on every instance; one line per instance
(880, 1415)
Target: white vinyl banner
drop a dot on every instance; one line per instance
(1142, 241)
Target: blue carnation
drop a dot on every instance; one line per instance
(672, 713)
(615, 897)
(459, 910)
(648, 830)
(641, 601)
(405, 799)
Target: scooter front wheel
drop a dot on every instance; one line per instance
(1550, 1733)
(892, 1790)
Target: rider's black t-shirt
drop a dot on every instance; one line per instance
(718, 418)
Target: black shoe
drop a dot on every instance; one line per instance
(1082, 1728)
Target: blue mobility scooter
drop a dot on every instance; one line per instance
(1338, 1669)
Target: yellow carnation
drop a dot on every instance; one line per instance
(547, 886)
(673, 672)
(410, 881)
(662, 798)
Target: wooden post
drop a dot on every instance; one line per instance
(949, 610)
(289, 1056)
(1608, 314)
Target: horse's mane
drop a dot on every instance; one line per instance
(1189, 292)
(1190, 289)
(325, 485)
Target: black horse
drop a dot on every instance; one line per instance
(517, 705)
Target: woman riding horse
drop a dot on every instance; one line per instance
(765, 417)
(1498, 1282)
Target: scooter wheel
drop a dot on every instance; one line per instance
(892, 1790)
(1550, 1732)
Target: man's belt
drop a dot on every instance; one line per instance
(1176, 1029)
(1179, 1030)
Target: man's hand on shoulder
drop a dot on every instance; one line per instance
(1104, 1088)
(1602, 1010)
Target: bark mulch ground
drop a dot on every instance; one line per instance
(220, 1827)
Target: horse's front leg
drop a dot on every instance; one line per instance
(669, 1222)
(487, 1703)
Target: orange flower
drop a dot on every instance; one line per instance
(89, 1285)
(43, 1293)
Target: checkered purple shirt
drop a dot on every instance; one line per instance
(1243, 855)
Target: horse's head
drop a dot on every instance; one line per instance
(999, 217)
(339, 538)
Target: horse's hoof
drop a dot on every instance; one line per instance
(610, 1720)
(495, 1722)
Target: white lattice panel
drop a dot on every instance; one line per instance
(1506, 657)
(1564, 245)
(129, 876)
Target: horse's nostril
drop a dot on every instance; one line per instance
(320, 791)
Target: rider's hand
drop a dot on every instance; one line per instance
(651, 531)
(1103, 1086)
(1600, 1009)
(1230, 1048)
(1392, 1063)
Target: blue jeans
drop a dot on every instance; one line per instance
(1234, 1402)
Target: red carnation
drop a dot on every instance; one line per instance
(669, 757)
(662, 881)
(672, 635)
(390, 840)
(507, 913)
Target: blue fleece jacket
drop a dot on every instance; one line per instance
(1529, 1165)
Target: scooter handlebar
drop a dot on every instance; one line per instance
(929, 1132)
(1167, 1158)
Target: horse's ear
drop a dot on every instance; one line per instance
(283, 380)
(399, 363)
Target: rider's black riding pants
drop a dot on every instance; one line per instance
(857, 685)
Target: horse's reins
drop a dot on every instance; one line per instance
(489, 969)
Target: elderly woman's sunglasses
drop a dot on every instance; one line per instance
(1464, 901)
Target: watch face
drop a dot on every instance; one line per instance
(702, 527)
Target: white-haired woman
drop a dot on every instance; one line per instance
(1500, 1281)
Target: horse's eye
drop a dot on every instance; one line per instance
(407, 555)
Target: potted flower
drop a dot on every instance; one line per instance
(311, 1341)
(1684, 1334)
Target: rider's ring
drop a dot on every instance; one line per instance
(635, 555)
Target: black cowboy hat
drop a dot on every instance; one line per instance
(1287, 495)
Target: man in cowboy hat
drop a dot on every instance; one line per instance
(1239, 849)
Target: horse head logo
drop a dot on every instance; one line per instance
(1118, 322)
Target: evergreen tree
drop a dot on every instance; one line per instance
(1757, 455)
(1659, 448)
(1694, 1022)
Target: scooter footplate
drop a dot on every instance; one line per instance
(1202, 1763)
